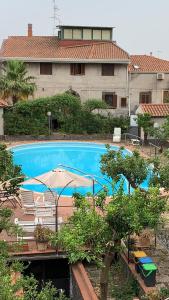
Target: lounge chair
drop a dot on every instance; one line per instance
(28, 202)
(50, 199)
(44, 212)
(117, 135)
(50, 222)
(28, 228)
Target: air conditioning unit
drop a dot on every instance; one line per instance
(160, 76)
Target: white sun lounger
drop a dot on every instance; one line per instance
(50, 222)
(28, 228)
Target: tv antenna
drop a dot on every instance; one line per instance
(55, 17)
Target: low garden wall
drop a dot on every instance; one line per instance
(83, 137)
(81, 287)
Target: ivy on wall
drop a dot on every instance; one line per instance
(30, 117)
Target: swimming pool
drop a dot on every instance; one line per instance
(38, 158)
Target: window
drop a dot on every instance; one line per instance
(123, 102)
(77, 69)
(145, 97)
(165, 96)
(87, 34)
(106, 34)
(77, 34)
(68, 33)
(45, 68)
(97, 34)
(107, 70)
(110, 99)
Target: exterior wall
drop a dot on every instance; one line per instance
(145, 83)
(1, 122)
(89, 86)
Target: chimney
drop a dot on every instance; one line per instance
(29, 30)
(151, 53)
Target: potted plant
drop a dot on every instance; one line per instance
(42, 235)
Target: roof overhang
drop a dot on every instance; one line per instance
(66, 60)
(148, 73)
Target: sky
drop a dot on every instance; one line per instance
(141, 26)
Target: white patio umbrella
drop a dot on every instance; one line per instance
(60, 178)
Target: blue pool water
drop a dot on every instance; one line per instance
(38, 158)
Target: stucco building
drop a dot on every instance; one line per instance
(81, 58)
(148, 80)
(88, 61)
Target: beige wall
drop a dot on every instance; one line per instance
(1, 122)
(91, 85)
(145, 83)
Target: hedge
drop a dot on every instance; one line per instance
(30, 117)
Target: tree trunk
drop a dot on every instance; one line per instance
(104, 275)
(145, 138)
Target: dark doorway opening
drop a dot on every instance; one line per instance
(55, 124)
(54, 270)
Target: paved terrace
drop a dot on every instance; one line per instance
(65, 210)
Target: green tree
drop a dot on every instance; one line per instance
(8, 170)
(92, 104)
(95, 237)
(133, 167)
(15, 83)
(160, 170)
(144, 121)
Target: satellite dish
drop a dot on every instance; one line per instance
(136, 67)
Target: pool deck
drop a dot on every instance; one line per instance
(145, 151)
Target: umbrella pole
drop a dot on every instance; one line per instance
(56, 211)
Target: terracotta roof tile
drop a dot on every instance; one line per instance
(51, 47)
(148, 64)
(156, 110)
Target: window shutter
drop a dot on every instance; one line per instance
(145, 97)
(114, 101)
(107, 69)
(123, 102)
(46, 68)
(72, 69)
(83, 69)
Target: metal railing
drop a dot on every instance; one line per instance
(154, 149)
(128, 137)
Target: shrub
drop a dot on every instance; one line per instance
(30, 117)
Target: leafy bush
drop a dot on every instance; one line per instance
(9, 171)
(92, 104)
(30, 117)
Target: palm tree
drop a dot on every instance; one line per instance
(14, 82)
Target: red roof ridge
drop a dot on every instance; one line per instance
(148, 56)
(31, 37)
(121, 49)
